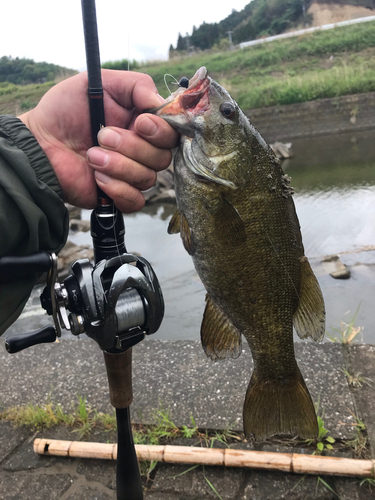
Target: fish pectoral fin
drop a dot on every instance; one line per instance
(179, 224)
(220, 338)
(175, 223)
(186, 235)
(309, 318)
(227, 220)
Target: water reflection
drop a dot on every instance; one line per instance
(334, 181)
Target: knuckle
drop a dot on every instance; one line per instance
(131, 198)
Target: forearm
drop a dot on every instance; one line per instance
(33, 217)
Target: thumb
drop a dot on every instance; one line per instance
(131, 90)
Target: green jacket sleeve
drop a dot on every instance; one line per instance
(33, 216)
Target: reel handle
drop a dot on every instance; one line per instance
(15, 267)
(21, 341)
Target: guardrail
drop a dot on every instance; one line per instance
(305, 31)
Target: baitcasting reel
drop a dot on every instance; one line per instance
(117, 302)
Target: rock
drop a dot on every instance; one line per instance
(342, 273)
(282, 151)
(335, 268)
(74, 212)
(330, 258)
(70, 253)
(80, 225)
(169, 195)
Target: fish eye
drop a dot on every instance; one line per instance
(228, 109)
(184, 82)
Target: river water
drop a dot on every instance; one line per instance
(334, 181)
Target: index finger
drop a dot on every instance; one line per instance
(131, 90)
(156, 131)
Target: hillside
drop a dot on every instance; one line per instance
(22, 71)
(23, 82)
(269, 17)
(322, 64)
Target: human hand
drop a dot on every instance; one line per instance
(133, 146)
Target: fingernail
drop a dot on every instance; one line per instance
(146, 126)
(109, 138)
(97, 157)
(99, 176)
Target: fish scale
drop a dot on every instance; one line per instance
(237, 220)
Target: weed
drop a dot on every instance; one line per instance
(211, 485)
(348, 332)
(82, 418)
(355, 380)
(319, 481)
(323, 442)
(359, 441)
(326, 485)
(368, 482)
(146, 468)
(188, 432)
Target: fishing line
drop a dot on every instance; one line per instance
(175, 82)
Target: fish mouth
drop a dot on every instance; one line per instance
(184, 110)
(194, 99)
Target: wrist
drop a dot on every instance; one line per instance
(25, 119)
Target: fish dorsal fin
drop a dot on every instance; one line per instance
(174, 223)
(220, 338)
(309, 318)
(179, 224)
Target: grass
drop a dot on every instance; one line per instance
(16, 99)
(318, 65)
(355, 379)
(83, 420)
(322, 64)
(348, 333)
(359, 441)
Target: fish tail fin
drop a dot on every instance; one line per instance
(281, 406)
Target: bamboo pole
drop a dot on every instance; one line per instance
(287, 462)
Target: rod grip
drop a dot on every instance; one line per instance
(119, 372)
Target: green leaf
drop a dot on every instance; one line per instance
(329, 447)
(330, 439)
(320, 446)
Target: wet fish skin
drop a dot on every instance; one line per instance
(237, 220)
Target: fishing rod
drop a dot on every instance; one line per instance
(108, 237)
(116, 302)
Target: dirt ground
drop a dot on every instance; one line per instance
(334, 13)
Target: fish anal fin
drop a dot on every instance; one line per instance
(309, 318)
(279, 406)
(220, 338)
(175, 223)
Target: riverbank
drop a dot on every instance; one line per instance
(177, 376)
(339, 115)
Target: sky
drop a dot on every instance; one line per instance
(51, 30)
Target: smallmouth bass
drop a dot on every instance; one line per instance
(237, 220)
